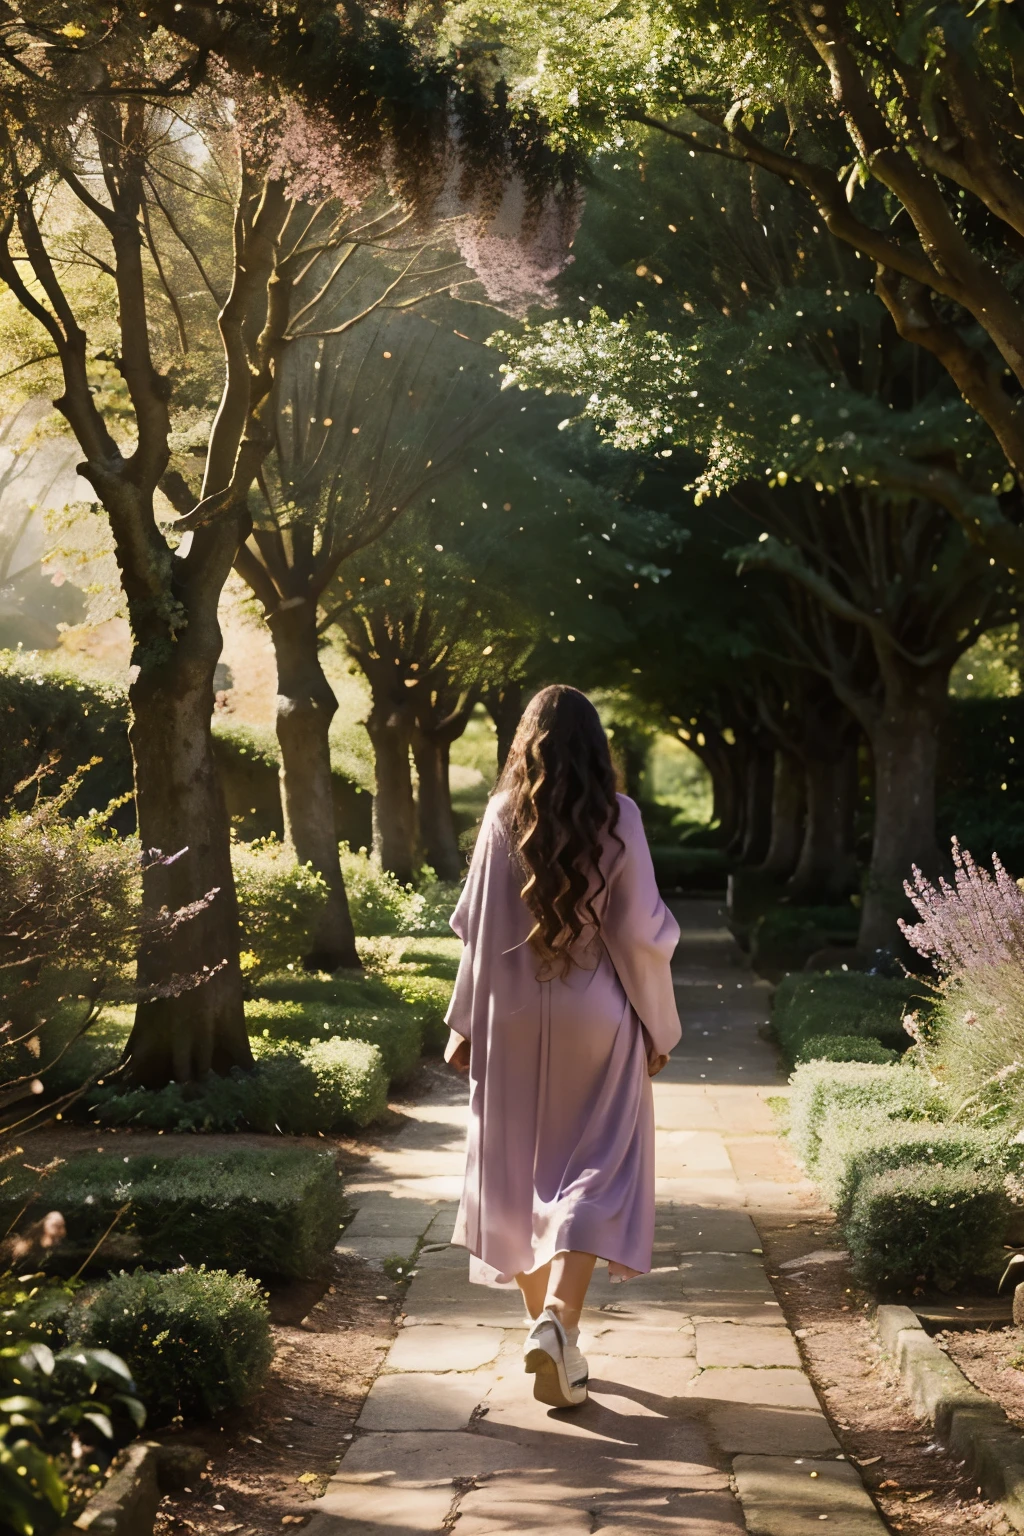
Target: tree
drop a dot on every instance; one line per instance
(380, 394)
(897, 123)
(779, 368)
(125, 150)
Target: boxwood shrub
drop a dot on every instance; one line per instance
(271, 1212)
(814, 1003)
(785, 937)
(854, 1152)
(396, 1031)
(298, 1090)
(924, 1225)
(829, 1094)
(197, 1341)
(846, 1048)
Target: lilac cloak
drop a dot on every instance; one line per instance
(560, 1150)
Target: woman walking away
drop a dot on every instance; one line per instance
(562, 1012)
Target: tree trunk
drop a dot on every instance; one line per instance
(305, 707)
(788, 807)
(505, 707)
(200, 1026)
(720, 762)
(826, 870)
(438, 838)
(758, 804)
(904, 736)
(390, 726)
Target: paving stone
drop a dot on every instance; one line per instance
(673, 1514)
(708, 1231)
(689, 1149)
(759, 1430)
(736, 1307)
(777, 1389)
(445, 1296)
(419, 1400)
(352, 1510)
(660, 1380)
(735, 1344)
(488, 1511)
(610, 1338)
(714, 1273)
(444, 1348)
(444, 1257)
(781, 1498)
(421, 1459)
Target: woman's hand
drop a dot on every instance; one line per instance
(459, 1057)
(655, 1063)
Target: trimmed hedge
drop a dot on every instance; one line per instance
(816, 1003)
(826, 1094)
(927, 1225)
(853, 1153)
(846, 1048)
(268, 1212)
(397, 1032)
(424, 979)
(330, 1086)
(49, 712)
(785, 937)
(197, 1341)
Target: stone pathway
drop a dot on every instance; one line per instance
(701, 1420)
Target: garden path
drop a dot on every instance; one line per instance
(701, 1419)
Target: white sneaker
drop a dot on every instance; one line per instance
(559, 1368)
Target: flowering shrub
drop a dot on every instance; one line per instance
(976, 922)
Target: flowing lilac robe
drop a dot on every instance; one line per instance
(560, 1149)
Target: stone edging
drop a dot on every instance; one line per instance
(967, 1421)
(127, 1503)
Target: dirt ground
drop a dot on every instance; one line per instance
(994, 1360)
(919, 1487)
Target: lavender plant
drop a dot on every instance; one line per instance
(973, 933)
(975, 923)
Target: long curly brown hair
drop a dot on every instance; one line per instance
(560, 807)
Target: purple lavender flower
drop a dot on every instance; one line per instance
(975, 923)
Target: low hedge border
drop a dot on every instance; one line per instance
(396, 1031)
(812, 1004)
(922, 1201)
(273, 1212)
(829, 1093)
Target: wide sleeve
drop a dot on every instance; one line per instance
(466, 921)
(640, 933)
